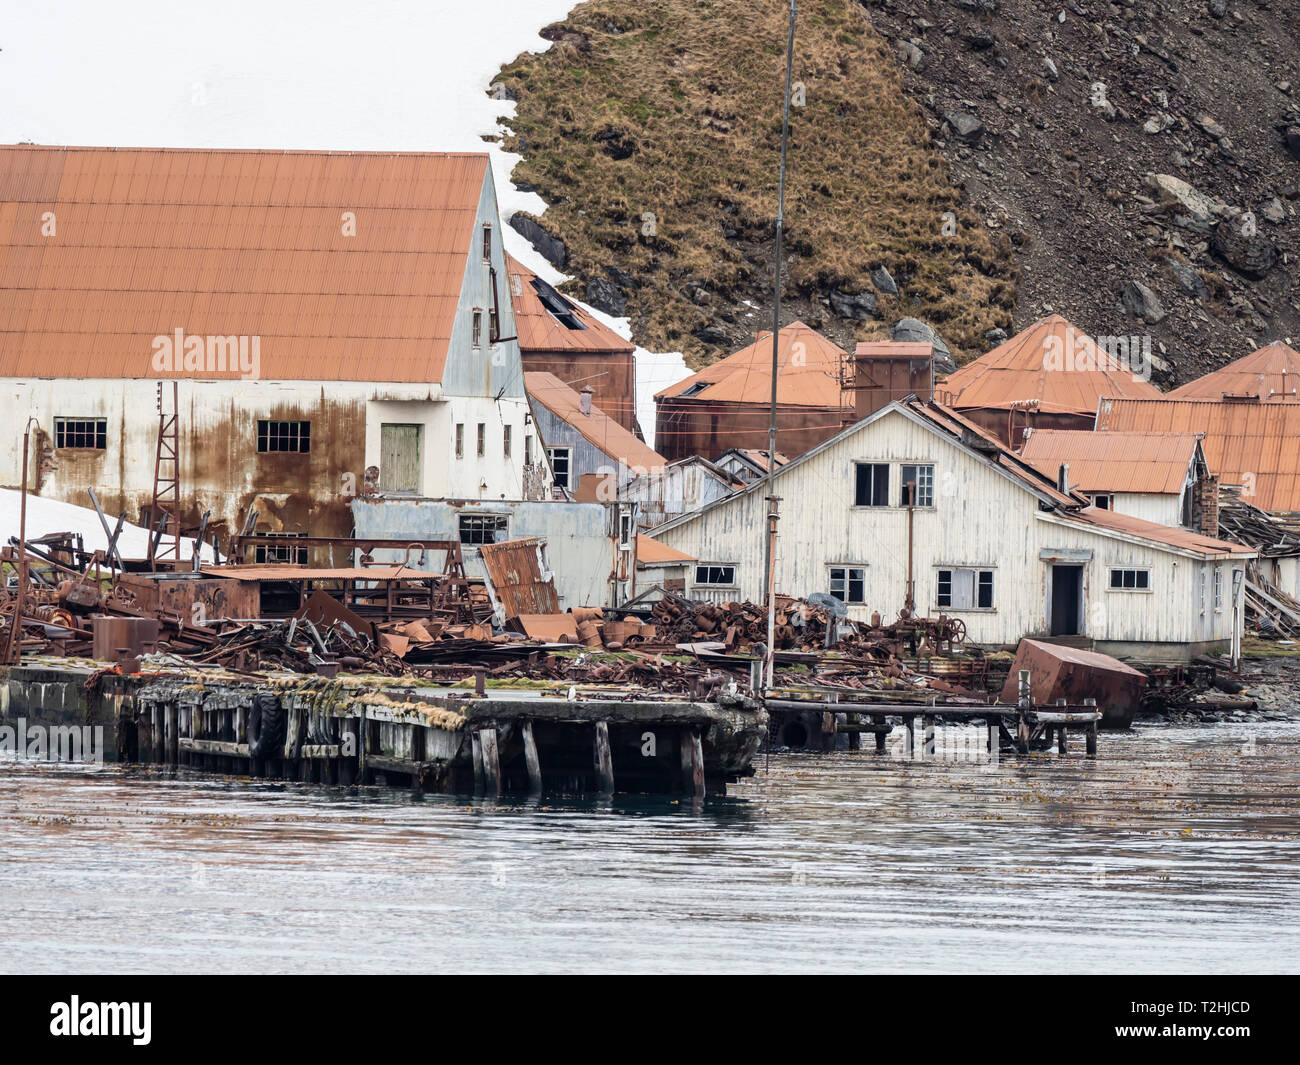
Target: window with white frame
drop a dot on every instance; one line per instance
(562, 465)
(922, 478)
(871, 484)
(460, 440)
(716, 576)
(1130, 580)
(964, 588)
(849, 583)
(476, 331)
(482, 528)
(1218, 587)
(81, 432)
(272, 553)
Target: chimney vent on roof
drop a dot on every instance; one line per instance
(886, 371)
(1063, 478)
(585, 402)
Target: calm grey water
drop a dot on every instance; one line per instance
(1177, 850)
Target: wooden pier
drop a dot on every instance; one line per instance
(800, 720)
(358, 730)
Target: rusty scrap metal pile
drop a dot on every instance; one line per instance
(73, 608)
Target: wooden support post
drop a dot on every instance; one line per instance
(173, 740)
(882, 737)
(363, 748)
(491, 761)
(1061, 742)
(910, 736)
(348, 740)
(1022, 732)
(855, 737)
(531, 761)
(604, 759)
(927, 726)
(476, 745)
(692, 762)
(1090, 735)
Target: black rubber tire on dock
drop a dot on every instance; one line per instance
(266, 727)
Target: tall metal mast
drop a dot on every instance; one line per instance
(769, 539)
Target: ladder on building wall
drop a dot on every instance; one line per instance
(165, 509)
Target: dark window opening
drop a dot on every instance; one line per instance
(722, 576)
(284, 436)
(286, 553)
(849, 584)
(81, 432)
(1131, 579)
(482, 528)
(871, 487)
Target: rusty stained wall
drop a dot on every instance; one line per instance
(612, 378)
(221, 469)
(685, 427)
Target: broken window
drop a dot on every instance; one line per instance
(286, 553)
(81, 432)
(460, 440)
(482, 439)
(965, 589)
(487, 242)
(561, 464)
(1138, 580)
(849, 583)
(561, 309)
(505, 440)
(284, 436)
(528, 449)
(717, 576)
(922, 477)
(476, 333)
(871, 484)
(1218, 588)
(482, 528)
(696, 389)
(1103, 502)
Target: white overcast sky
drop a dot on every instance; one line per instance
(407, 75)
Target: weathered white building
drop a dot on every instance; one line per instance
(676, 488)
(1160, 477)
(335, 322)
(988, 539)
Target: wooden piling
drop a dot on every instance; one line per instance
(604, 759)
(531, 762)
(692, 762)
(491, 761)
(476, 745)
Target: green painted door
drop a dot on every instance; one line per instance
(399, 458)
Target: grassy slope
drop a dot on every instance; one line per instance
(693, 89)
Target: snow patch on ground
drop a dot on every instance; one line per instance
(46, 516)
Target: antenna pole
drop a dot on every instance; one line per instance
(769, 537)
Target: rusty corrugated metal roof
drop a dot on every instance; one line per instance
(650, 552)
(1164, 534)
(808, 373)
(597, 428)
(1114, 462)
(1017, 371)
(1253, 444)
(233, 243)
(1269, 372)
(541, 331)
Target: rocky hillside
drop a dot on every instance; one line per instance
(974, 163)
